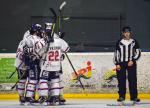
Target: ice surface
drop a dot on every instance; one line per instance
(77, 103)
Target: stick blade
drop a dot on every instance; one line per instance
(62, 5)
(13, 87)
(54, 14)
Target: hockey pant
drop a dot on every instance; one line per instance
(49, 84)
(22, 75)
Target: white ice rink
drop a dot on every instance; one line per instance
(78, 103)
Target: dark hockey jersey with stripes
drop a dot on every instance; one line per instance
(126, 50)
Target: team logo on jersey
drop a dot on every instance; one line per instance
(85, 73)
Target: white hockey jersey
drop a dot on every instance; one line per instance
(51, 58)
(19, 62)
(31, 42)
(26, 34)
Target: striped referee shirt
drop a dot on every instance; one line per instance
(126, 50)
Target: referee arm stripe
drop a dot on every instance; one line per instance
(116, 57)
(137, 54)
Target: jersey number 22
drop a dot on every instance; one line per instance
(53, 56)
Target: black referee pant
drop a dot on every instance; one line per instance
(132, 79)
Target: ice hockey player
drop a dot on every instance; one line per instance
(32, 62)
(22, 66)
(27, 33)
(22, 72)
(62, 99)
(51, 53)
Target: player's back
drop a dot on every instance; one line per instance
(31, 40)
(53, 55)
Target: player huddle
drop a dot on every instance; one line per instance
(38, 63)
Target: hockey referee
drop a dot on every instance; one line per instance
(126, 54)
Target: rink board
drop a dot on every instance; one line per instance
(96, 71)
(79, 96)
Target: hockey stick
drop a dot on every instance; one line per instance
(62, 5)
(22, 74)
(54, 14)
(10, 76)
(52, 32)
(59, 28)
(54, 23)
(59, 17)
(75, 71)
(18, 80)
